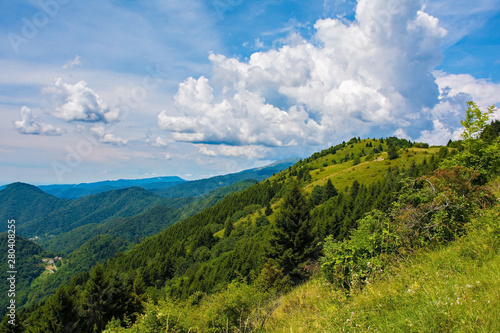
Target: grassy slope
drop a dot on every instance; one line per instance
(342, 174)
(452, 288)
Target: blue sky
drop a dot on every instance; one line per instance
(107, 89)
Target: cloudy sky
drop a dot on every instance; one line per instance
(94, 90)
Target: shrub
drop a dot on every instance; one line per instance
(349, 263)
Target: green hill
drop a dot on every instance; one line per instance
(135, 228)
(95, 208)
(96, 250)
(93, 243)
(24, 203)
(130, 229)
(450, 288)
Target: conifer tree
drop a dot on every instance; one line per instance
(268, 210)
(228, 225)
(330, 190)
(292, 239)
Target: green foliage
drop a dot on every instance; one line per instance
(475, 121)
(317, 195)
(57, 314)
(24, 202)
(448, 288)
(228, 227)
(330, 190)
(28, 264)
(232, 310)
(491, 132)
(291, 241)
(349, 263)
(63, 215)
(392, 151)
(433, 209)
(97, 250)
(268, 210)
(483, 156)
(436, 207)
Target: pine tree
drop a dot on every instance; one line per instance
(330, 190)
(268, 210)
(228, 225)
(291, 239)
(317, 195)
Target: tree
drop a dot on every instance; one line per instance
(392, 151)
(481, 155)
(491, 132)
(228, 225)
(291, 241)
(330, 190)
(317, 195)
(268, 210)
(475, 121)
(59, 314)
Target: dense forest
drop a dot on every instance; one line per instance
(340, 219)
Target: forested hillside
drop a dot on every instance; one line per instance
(24, 202)
(28, 258)
(135, 228)
(343, 223)
(235, 238)
(114, 234)
(40, 214)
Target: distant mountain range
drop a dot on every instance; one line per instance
(74, 191)
(199, 187)
(168, 186)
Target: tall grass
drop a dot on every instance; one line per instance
(453, 288)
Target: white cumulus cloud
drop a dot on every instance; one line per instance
(483, 92)
(440, 134)
(30, 124)
(373, 72)
(77, 102)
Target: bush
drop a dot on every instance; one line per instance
(430, 210)
(350, 263)
(436, 207)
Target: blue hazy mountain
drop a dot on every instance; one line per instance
(73, 191)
